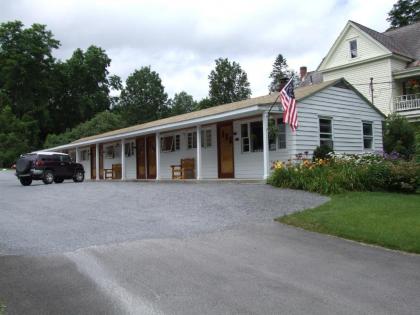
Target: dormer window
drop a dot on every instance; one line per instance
(353, 48)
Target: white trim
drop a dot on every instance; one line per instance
(157, 150)
(266, 149)
(97, 177)
(198, 166)
(122, 159)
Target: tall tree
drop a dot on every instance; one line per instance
(82, 88)
(279, 73)
(228, 82)
(143, 98)
(404, 12)
(182, 103)
(26, 64)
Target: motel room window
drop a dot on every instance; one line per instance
(177, 142)
(192, 140)
(256, 133)
(109, 152)
(84, 155)
(170, 143)
(367, 135)
(325, 132)
(244, 138)
(353, 48)
(281, 138)
(206, 138)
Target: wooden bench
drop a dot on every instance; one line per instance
(184, 171)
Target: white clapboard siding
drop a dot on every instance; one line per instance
(130, 162)
(85, 163)
(347, 111)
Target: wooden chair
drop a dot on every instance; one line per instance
(107, 173)
(116, 171)
(176, 171)
(184, 171)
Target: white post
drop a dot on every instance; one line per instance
(157, 155)
(198, 167)
(122, 159)
(97, 161)
(77, 155)
(265, 145)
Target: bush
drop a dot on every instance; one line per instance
(321, 152)
(399, 136)
(341, 173)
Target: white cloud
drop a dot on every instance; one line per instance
(181, 39)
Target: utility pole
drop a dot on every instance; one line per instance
(371, 89)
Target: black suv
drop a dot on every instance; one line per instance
(49, 167)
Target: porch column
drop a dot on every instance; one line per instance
(97, 162)
(122, 159)
(266, 156)
(157, 155)
(77, 155)
(198, 167)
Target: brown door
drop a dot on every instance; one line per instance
(141, 158)
(151, 156)
(92, 162)
(225, 150)
(101, 161)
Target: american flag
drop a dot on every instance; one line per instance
(287, 96)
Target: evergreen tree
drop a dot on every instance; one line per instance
(279, 73)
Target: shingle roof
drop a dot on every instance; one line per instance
(402, 41)
(300, 93)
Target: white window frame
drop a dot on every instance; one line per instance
(206, 138)
(129, 149)
(175, 142)
(191, 144)
(351, 50)
(84, 155)
(245, 138)
(281, 132)
(327, 133)
(109, 152)
(370, 137)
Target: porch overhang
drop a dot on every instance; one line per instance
(191, 123)
(407, 73)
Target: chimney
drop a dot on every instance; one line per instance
(303, 72)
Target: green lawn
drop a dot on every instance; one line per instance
(386, 219)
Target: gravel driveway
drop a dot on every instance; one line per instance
(43, 219)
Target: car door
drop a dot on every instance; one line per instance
(66, 166)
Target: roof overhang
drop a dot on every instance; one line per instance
(407, 73)
(235, 114)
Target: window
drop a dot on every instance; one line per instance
(256, 132)
(325, 132)
(281, 139)
(367, 135)
(166, 143)
(192, 140)
(84, 155)
(129, 149)
(177, 142)
(109, 152)
(353, 48)
(244, 138)
(272, 134)
(65, 158)
(206, 138)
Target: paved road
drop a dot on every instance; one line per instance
(242, 267)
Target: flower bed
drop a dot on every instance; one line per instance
(343, 172)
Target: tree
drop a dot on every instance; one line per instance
(182, 103)
(15, 135)
(399, 136)
(101, 122)
(26, 64)
(206, 103)
(404, 12)
(143, 98)
(81, 88)
(279, 73)
(228, 82)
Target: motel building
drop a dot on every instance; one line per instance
(233, 141)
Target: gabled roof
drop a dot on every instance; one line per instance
(402, 41)
(300, 94)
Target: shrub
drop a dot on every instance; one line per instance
(321, 152)
(399, 136)
(340, 173)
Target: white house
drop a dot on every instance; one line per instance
(391, 59)
(233, 140)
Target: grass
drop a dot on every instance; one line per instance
(387, 219)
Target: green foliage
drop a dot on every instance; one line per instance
(404, 12)
(399, 136)
(102, 122)
(387, 219)
(206, 103)
(144, 98)
(418, 147)
(228, 82)
(182, 103)
(348, 173)
(279, 73)
(322, 152)
(14, 136)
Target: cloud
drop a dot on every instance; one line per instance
(181, 39)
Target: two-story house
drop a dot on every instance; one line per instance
(384, 67)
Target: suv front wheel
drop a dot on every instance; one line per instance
(48, 177)
(25, 181)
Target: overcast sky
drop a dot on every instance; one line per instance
(181, 39)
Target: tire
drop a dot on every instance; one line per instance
(25, 181)
(58, 180)
(79, 177)
(48, 177)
